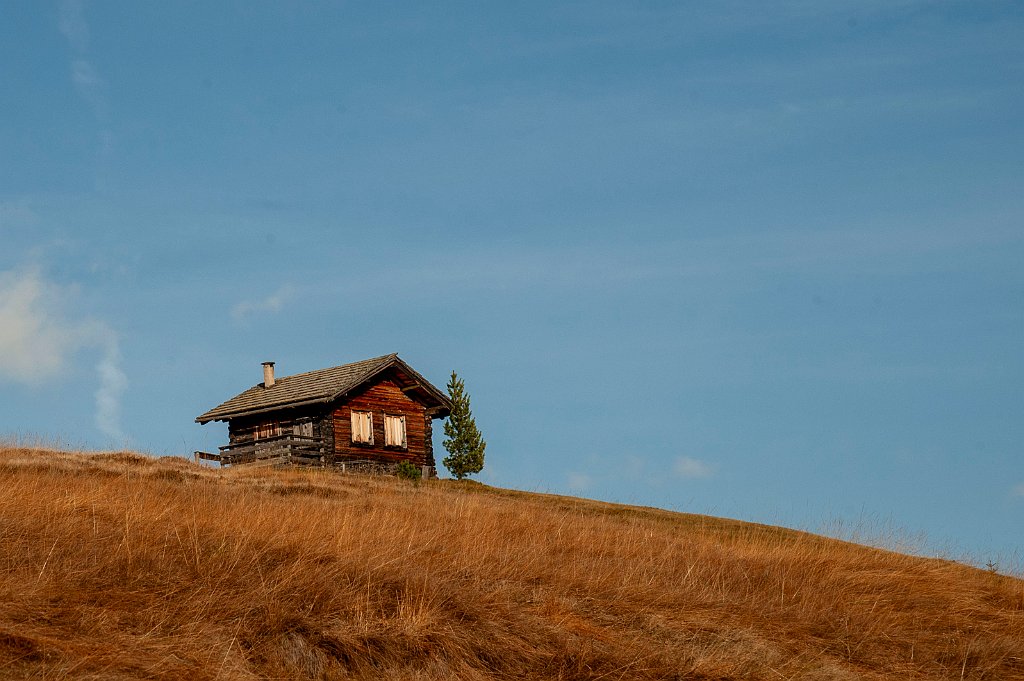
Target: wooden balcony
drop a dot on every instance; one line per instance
(270, 451)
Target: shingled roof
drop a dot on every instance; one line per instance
(323, 385)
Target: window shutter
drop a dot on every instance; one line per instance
(394, 431)
(267, 429)
(362, 427)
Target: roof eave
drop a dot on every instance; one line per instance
(262, 410)
(439, 412)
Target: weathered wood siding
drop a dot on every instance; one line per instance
(243, 428)
(379, 399)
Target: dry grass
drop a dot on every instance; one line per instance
(123, 566)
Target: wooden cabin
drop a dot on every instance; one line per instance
(377, 412)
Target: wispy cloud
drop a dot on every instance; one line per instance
(37, 339)
(884, 247)
(1018, 491)
(687, 468)
(111, 386)
(87, 81)
(579, 481)
(71, 23)
(656, 473)
(89, 85)
(271, 304)
(86, 78)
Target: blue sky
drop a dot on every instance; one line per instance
(760, 260)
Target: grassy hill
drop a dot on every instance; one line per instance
(123, 566)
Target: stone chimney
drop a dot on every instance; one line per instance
(268, 374)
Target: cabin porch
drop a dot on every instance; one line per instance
(300, 450)
(303, 450)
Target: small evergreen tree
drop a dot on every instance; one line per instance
(406, 470)
(464, 444)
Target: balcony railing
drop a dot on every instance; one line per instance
(279, 449)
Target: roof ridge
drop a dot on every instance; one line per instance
(339, 366)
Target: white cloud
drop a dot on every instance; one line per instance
(37, 340)
(687, 467)
(33, 345)
(111, 387)
(271, 304)
(579, 481)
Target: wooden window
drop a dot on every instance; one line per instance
(303, 429)
(362, 427)
(267, 429)
(394, 431)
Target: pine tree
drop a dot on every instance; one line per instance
(464, 444)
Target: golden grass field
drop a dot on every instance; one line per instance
(122, 566)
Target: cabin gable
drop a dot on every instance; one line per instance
(383, 401)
